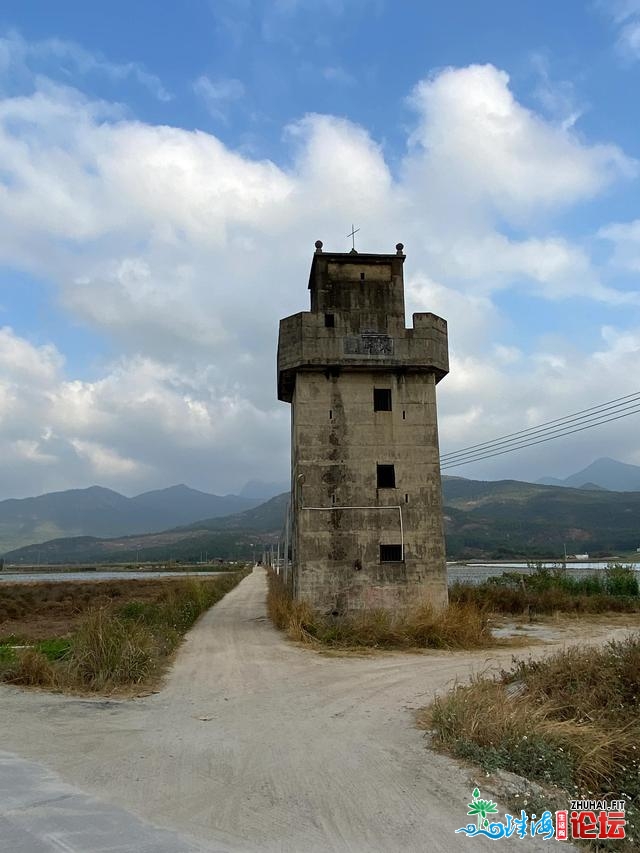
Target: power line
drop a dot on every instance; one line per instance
(487, 450)
(555, 432)
(618, 403)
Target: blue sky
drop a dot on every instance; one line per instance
(165, 170)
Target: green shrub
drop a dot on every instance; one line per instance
(621, 580)
(553, 590)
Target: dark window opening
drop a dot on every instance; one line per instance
(329, 321)
(330, 414)
(404, 415)
(361, 276)
(391, 554)
(386, 476)
(406, 499)
(382, 399)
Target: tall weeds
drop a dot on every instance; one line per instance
(115, 646)
(570, 719)
(108, 651)
(458, 626)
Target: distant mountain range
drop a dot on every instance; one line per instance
(236, 536)
(506, 518)
(262, 490)
(101, 512)
(604, 473)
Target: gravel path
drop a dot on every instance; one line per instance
(253, 744)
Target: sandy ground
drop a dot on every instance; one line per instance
(255, 744)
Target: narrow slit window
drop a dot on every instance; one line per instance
(329, 321)
(386, 476)
(404, 415)
(391, 554)
(406, 499)
(382, 399)
(361, 276)
(330, 414)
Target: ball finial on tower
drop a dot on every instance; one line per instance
(318, 246)
(399, 248)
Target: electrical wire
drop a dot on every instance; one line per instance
(487, 450)
(620, 403)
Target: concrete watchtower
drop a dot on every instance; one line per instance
(366, 506)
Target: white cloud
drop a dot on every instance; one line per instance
(23, 361)
(15, 51)
(478, 141)
(625, 16)
(219, 94)
(186, 253)
(625, 237)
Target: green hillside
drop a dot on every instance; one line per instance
(506, 518)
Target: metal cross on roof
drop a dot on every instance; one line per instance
(354, 231)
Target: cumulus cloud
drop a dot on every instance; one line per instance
(505, 158)
(185, 254)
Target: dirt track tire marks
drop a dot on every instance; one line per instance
(255, 744)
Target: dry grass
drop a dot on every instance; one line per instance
(41, 609)
(119, 644)
(458, 626)
(570, 719)
(32, 669)
(109, 651)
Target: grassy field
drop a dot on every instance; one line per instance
(570, 720)
(100, 635)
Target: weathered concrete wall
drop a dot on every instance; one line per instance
(330, 360)
(338, 440)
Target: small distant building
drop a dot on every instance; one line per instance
(366, 527)
(581, 556)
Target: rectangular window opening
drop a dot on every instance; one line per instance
(404, 415)
(391, 554)
(386, 476)
(330, 414)
(382, 399)
(406, 499)
(329, 321)
(361, 276)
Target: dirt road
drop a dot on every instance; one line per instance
(254, 744)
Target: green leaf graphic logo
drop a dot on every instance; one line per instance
(481, 809)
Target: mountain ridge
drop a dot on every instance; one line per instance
(102, 512)
(503, 518)
(604, 473)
